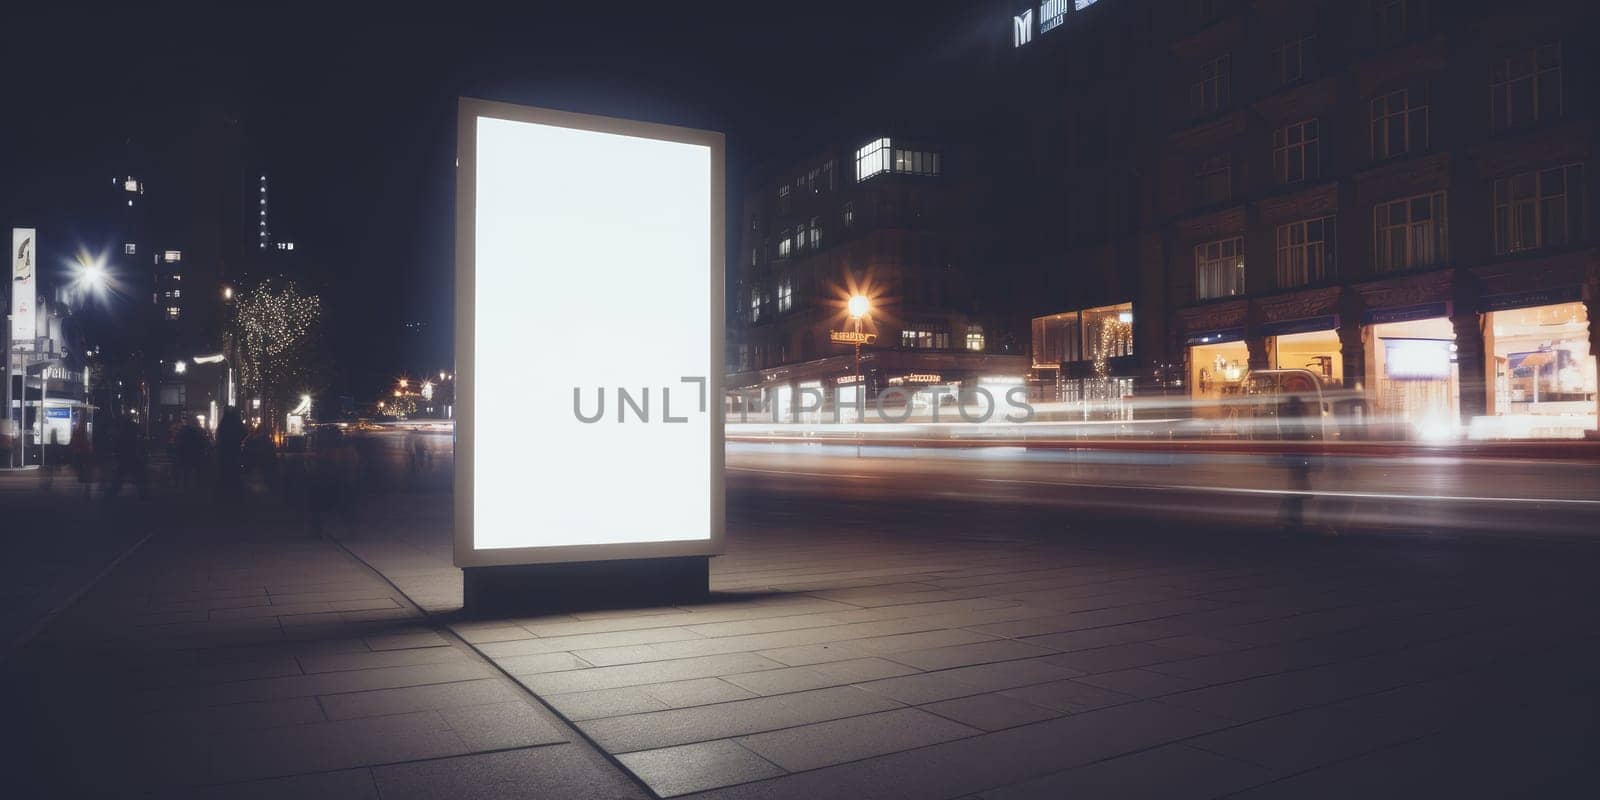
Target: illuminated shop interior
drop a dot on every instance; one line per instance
(1317, 351)
(1413, 378)
(1541, 375)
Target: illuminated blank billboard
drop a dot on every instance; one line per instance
(589, 338)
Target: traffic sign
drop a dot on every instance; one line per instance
(852, 337)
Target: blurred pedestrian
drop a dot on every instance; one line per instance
(129, 459)
(189, 454)
(1294, 427)
(81, 452)
(230, 452)
(50, 455)
(8, 441)
(260, 455)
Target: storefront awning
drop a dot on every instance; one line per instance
(1215, 337)
(1313, 324)
(1537, 297)
(1380, 316)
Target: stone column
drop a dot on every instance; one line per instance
(1470, 364)
(1468, 324)
(1352, 345)
(1254, 341)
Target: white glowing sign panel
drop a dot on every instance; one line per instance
(1417, 359)
(1051, 14)
(589, 338)
(1022, 28)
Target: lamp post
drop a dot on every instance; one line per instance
(858, 306)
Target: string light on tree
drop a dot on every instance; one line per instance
(274, 331)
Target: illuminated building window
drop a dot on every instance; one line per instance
(172, 312)
(1410, 233)
(172, 256)
(814, 233)
(131, 185)
(755, 303)
(784, 244)
(1525, 88)
(785, 294)
(1219, 269)
(129, 249)
(1305, 252)
(849, 213)
(925, 336)
(1209, 94)
(755, 255)
(880, 156)
(1297, 152)
(1399, 124)
(1538, 209)
(783, 199)
(873, 158)
(975, 339)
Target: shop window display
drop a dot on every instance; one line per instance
(1317, 351)
(1415, 381)
(1542, 376)
(1215, 375)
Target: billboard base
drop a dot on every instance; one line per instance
(579, 585)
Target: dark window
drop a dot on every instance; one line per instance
(1538, 209)
(1209, 94)
(1399, 124)
(1525, 88)
(1213, 180)
(1305, 252)
(1297, 152)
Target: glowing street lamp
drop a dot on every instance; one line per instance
(858, 306)
(180, 367)
(90, 273)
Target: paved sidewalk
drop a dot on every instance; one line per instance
(843, 656)
(847, 655)
(58, 534)
(238, 657)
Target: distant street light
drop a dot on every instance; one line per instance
(859, 306)
(180, 367)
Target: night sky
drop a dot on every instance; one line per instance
(355, 113)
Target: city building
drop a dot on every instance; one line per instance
(884, 218)
(1391, 193)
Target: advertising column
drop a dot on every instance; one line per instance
(24, 287)
(589, 342)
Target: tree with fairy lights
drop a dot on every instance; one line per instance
(277, 344)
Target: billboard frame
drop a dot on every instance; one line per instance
(471, 559)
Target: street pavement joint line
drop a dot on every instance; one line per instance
(424, 760)
(444, 630)
(1238, 490)
(72, 599)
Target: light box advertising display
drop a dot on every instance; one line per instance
(589, 339)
